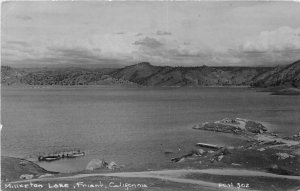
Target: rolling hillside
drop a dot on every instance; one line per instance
(58, 76)
(148, 75)
(280, 76)
(145, 74)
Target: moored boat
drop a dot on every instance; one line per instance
(74, 155)
(210, 146)
(49, 158)
(61, 155)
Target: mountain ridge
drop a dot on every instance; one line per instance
(145, 74)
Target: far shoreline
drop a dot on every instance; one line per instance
(119, 86)
(275, 91)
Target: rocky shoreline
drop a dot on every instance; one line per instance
(263, 152)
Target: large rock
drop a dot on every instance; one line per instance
(220, 127)
(26, 176)
(255, 127)
(112, 166)
(199, 152)
(236, 125)
(282, 156)
(23, 162)
(96, 164)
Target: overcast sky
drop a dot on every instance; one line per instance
(163, 33)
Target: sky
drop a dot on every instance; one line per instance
(224, 33)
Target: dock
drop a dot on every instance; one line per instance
(210, 146)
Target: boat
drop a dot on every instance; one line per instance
(210, 146)
(74, 155)
(61, 155)
(49, 158)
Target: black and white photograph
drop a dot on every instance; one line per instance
(150, 95)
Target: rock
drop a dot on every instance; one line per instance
(181, 160)
(274, 166)
(45, 175)
(200, 151)
(175, 159)
(220, 127)
(197, 126)
(178, 159)
(112, 166)
(255, 127)
(229, 121)
(96, 164)
(261, 149)
(26, 176)
(236, 126)
(211, 151)
(282, 156)
(194, 153)
(225, 151)
(296, 137)
(23, 163)
(220, 157)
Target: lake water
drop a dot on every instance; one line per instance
(131, 126)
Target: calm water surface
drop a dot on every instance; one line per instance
(131, 126)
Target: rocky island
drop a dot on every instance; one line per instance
(236, 126)
(263, 150)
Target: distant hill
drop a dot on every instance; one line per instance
(145, 74)
(11, 75)
(149, 75)
(58, 76)
(288, 76)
